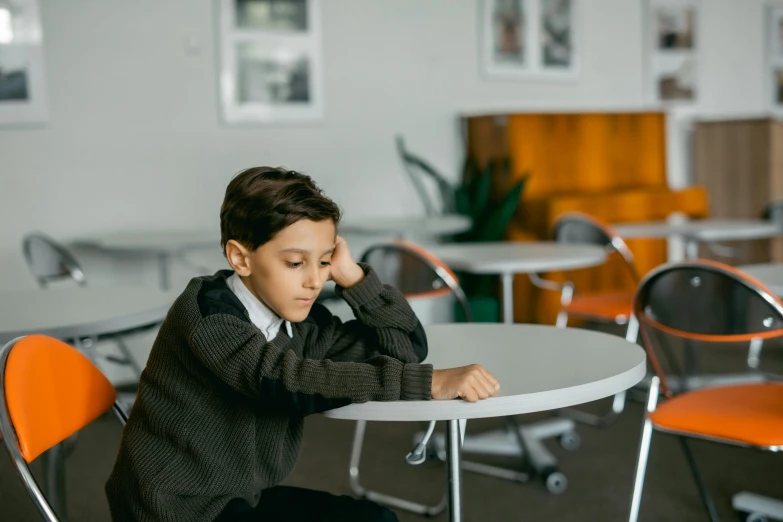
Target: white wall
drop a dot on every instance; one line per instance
(135, 138)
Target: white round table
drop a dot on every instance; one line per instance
(510, 258)
(69, 313)
(771, 274)
(161, 243)
(409, 227)
(703, 230)
(539, 368)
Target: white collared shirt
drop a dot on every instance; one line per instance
(260, 315)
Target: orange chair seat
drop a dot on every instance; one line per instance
(745, 414)
(605, 307)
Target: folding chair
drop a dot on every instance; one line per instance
(48, 392)
(418, 275)
(708, 302)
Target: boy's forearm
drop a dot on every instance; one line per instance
(386, 311)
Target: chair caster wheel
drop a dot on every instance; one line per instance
(556, 482)
(570, 441)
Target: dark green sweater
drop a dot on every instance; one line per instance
(219, 413)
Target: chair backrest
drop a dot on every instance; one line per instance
(48, 391)
(50, 261)
(421, 174)
(415, 272)
(707, 301)
(580, 228)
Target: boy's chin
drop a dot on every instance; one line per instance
(296, 316)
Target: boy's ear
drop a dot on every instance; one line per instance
(238, 257)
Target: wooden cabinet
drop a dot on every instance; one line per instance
(740, 164)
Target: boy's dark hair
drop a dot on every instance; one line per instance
(262, 201)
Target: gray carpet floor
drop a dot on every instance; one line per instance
(600, 473)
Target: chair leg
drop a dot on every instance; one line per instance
(644, 450)
(705, 495)
(382, 498)
(562, 319)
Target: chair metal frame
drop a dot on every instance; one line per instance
(53, 465)
(453, 287)
(413, 165)
(659, 383)
(68, 263)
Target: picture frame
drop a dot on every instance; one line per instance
(270, 61)
(774, 52)
(22, 80)
(531, 39)
(672, 51)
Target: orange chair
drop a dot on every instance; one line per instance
(708, 302)
(611, 307)
(48, 392)
(608, 307)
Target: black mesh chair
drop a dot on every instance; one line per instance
(710, 303)
(418, 275)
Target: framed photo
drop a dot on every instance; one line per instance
(671, 49)
(775, 57)
(22, 86)
(530, 38)
(270, 61)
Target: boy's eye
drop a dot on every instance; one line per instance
(326, 263)
(293, 264)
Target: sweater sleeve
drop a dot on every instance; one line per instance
(239, 355)
(385, 324)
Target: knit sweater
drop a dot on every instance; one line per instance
(219, 412)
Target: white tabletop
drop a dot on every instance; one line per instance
(441, 225)
(517, 257)
(153, 241)
(539, 368)
(701, 230)
(80, 312)
(771, 274)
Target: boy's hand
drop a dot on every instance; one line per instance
(345, 272)
(469, 383)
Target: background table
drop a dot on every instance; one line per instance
(703, 230)
(163, 244)
(539, 368)
(507, 259)
(771, 274)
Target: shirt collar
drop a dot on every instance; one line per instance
(260, 315)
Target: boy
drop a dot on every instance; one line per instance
(243, 356)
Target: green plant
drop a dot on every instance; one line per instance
(474, 198)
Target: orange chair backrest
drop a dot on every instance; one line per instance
(674, 312)
(51, 391)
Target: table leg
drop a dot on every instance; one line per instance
(164, 271)
(454, 452)
(508, 297)
(691, 248)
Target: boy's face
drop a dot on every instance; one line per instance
(288, 272)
